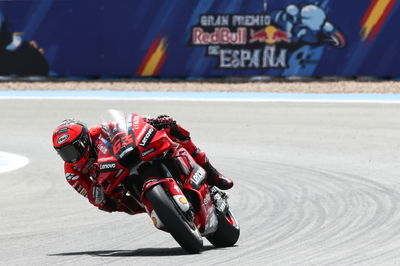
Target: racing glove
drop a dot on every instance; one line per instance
(101, 201)
(108, 206)
(162, 122)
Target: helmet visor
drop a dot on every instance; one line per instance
(74, 151)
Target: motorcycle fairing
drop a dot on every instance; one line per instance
(110, 173)
(195, 182)
(149, 142)
(131, 134)
(205, 218)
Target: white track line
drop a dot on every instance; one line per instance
(204, 100)
(10, 161)
(201, 96)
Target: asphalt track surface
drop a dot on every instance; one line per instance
(315, 184)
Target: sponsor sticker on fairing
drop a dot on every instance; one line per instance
(118, 174)
(125, 152)
(182, 202)
(147, 152)
(198, 177)
(108, 167)
(136, 121)
(102, 148)
(148, 136)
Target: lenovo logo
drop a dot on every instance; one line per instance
(147, 137)
(106, 167)
(198, 177)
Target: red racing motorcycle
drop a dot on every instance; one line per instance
(145, 164)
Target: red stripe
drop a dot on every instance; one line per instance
(149, 53)
(369, 11)
(382, 20)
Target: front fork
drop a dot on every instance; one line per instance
(220, 200)
(210, 200)
(173, 189)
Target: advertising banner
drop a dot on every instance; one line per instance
(99, 38)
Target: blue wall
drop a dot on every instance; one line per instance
(112, 38)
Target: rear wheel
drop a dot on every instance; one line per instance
(228, 231)
(183, 230)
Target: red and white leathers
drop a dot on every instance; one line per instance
(82, 174)
(82, 177)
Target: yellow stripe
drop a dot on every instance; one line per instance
(374, 17)
(155, 58)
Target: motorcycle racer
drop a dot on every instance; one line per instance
(79, 147)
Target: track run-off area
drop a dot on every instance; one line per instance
(317, 181)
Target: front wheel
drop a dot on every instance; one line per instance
(183, 230)
(228, 231)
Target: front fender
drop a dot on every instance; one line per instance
(170, 186)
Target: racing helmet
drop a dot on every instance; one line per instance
(71, 140)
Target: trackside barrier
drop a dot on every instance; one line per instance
(98, 38)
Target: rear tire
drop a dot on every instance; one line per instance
(184, 231)
(228, 231)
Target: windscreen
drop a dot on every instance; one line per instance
(120, 137)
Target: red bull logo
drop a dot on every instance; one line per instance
(268, 40)
(220, 35)
(269, 35)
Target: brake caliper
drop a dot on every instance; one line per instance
(220, 199)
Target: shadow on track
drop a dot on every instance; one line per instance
(141, 252)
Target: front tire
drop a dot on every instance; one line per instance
(228, 231)
(181, 229)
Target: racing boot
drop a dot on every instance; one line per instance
(214, 177)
